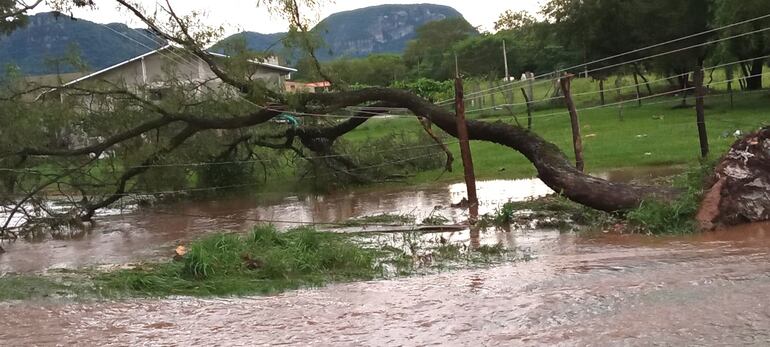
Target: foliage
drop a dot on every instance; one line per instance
(428, 55)
(677, 217)
(510, 20)
(427, 88)
(263, 261)
(374, 70)
(745, 47)
(385, 218)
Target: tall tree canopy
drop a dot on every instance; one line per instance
(429, 52)
(746, 47)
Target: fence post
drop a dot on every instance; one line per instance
(699, 112)
(529, 108)
(577, 142)
(531, 86)
(729, 75)
(465, 149)
(638, 89)
(601, 90)
(492, 92)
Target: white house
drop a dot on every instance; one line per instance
(156, 67)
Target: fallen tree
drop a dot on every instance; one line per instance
(182, 123)
(739, 189)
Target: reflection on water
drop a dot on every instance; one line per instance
(581, 290)
(152, 233)
(587, 289)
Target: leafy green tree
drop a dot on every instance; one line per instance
(510, 20)
(429, 54)
(746, 47)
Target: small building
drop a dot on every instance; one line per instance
(155, 68)
(303, 87)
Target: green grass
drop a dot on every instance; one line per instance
(677, 217)
(651, 135)
(384, 219)
(264, 261)
(550, 212)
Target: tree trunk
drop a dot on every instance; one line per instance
(754, 78)
(553, 167)
(638, 71)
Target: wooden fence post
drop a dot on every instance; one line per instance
(729, 75)
(529, 108)
(699, 111)
(465, 150)
(577, 142)
(638, 89)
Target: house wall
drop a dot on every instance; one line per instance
(157, 68)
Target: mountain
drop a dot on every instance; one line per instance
(42, 46)
(361, 32)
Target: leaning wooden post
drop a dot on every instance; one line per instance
(465, 149)
(699, 113)
(638, 90)
(573, 115)
(529, 108)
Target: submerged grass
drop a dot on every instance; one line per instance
(264, 261)
(385, 218)
(550, 212)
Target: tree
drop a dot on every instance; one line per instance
(510, 20)
(148, 134)
(13, 14)
(746, 47)
(429, 53)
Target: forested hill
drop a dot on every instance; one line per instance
(50, 41)
(361, 32)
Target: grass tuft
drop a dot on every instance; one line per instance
(677, 217)
(263, 261)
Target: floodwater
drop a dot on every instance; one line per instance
(149, 234)
(578, 290)
(596, 290)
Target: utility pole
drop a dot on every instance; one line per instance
(465, 148)
(505, 60)
(699, 112)
(577, 142)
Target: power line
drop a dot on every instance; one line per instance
(639, 84)
(636, 51)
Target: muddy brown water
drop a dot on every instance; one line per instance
(597, 290)
(588, 289)
(150, 234)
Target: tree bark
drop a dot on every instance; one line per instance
(553, 167)
(754, 78)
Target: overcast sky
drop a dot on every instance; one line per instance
(243, 15)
